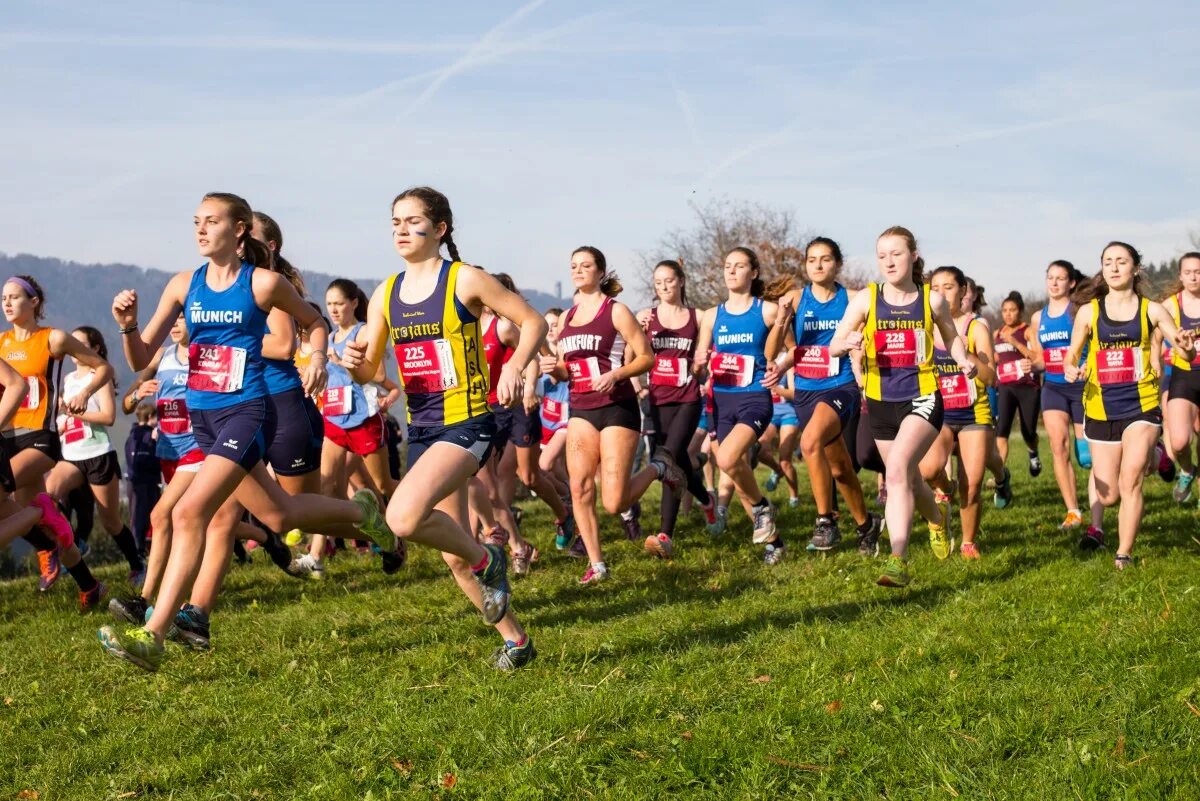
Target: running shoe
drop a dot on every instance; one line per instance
(793, 502)
(280, 554)
(1183, 486)
(1092, 540)
(518, 514)
(53, 520)
(497, 536)
(631, 521)
(373, 525)
(1166, 468)
(191, 628)
(91, 599)
(240, 553)
(772, 482)
(764, 523)
(895, 573)
(294, 538)
(131, 610)
(868, 537)
(135, 645)
(1122, 561)
(774, 553)
(672, 476)
(660, 546)
(1073, 520)
(493, 582)
(940, 541)
(1004, 491)
(392, 562)
(710, 510)
(564, 534)
(511, 656)
(49, 568)
(136, 578)
(969, 551)
(521, 559)
(308, 567)
(594, 574)
(717, 527)
(1035, 464)
(577, 550)
(826, 535)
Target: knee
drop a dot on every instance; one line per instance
(1130, 482)
(810, 447)
(186, 518)
(528, 475)
(583, 488)
(972, 491)
(1058, 445)
(615, 505)
(728, 462)
(402, 522)
(1106, 493)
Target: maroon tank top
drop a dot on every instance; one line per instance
(671, 379)
(1007, 354)
(589, 351)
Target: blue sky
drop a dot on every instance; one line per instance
(1005, 135)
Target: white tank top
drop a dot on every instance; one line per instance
(80, 440)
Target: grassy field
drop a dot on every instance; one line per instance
(1035, 673)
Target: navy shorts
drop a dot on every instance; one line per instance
(1064, 398)
(526, 428)
(1112, 430)
(476, 436)
(748, 408)
(885, 417)
(239, 433)
(295, 450)
(844, 400)
(504, 427)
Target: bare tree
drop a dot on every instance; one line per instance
(719, 227)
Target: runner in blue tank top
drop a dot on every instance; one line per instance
(827, 398)
(1062, 403)
(731, 346)
(225, 302)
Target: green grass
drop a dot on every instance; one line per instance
(1036, 673)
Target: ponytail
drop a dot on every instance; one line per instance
(273, 233)
(451, 248)
(610, 285)
(1015, 298)
(778, 288)
(352, 291)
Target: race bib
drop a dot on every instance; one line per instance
(553, 411)
(958, 391)
(337, 401)
(1011, 372)
(731, 369)
(1054, 359)
(75, 430)
(1118, 365)
(583, 372)
(215, 368)
(904, 348)
(34, 397)
(427, 366)
(173, 416)
(670, 372)
(814, 361)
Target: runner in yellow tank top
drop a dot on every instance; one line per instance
(1122, 415)
(31, 440)
(1182, 398)
(430, 504)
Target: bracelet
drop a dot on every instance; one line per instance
(128, 330)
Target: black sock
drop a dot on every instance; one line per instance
(762, 504)
(83, 577)
(866, 524)
(40, 539)
(275, 547)
(240, 552)
(124, 541)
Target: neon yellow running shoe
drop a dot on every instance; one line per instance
(294, 537)
(135, 645)
(373, 524)
(939, 534)
(895, 573)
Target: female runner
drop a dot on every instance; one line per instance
(1183, 391)
(1017, 391)
(1120, 394)
(893, 323)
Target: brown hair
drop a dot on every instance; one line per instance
(1096, 288)
(437, 208)
(1177, 286)
(351, 291)
(279, 264)
(675, 266)
(610, 285)
(39, 309)
(918, 267)
(145, 410)
(757, 285)
(253, 251)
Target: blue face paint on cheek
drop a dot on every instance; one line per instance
(420, 233)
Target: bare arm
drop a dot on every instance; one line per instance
(1079, 335)
(15, 390)
(848, 335)
(985, 352)
(280, 294)
(139, 347)
(703, 342)
(280, 341)
(478, 288)
(944, 321)
(1037, 357)
(63, 344)
(635, 340)
(134, 394)
(1183, 340)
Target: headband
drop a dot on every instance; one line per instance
(21, 282)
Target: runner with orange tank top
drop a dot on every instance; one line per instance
(31, 439)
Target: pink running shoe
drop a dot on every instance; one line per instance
(53, 520)
(969, 551)
(710, 510)
(595, 574)
(660, 545)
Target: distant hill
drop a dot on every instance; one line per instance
(81, 294)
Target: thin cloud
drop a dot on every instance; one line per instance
(294, 44)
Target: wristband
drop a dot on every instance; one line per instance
(128, 330)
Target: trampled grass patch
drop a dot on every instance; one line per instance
(1035, 673)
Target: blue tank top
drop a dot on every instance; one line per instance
(340, 377)
(740, 335)
(814, 325)
(228, 319)
(1055, 333)
(555, 405)
(175, 439)
(281, 375)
